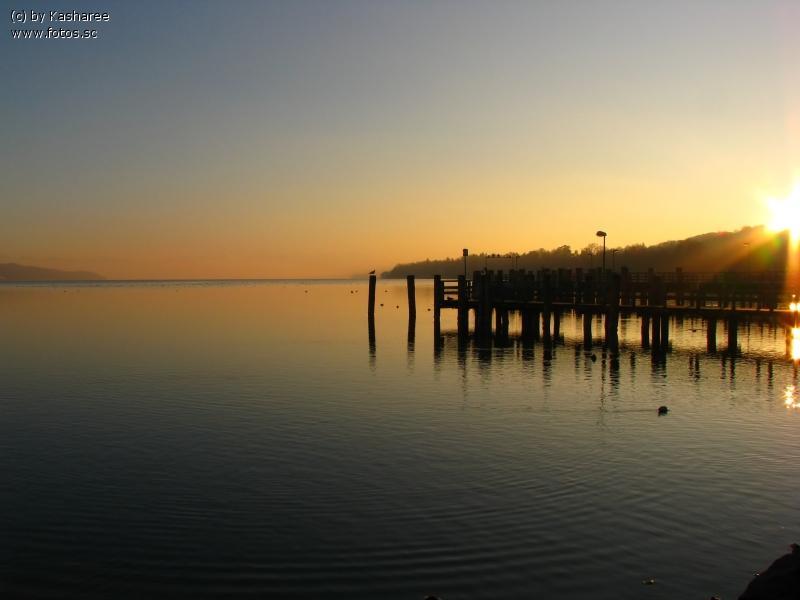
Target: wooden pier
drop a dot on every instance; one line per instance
(542, 298)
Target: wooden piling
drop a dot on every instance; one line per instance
(612, 313)
(645, 330)
(484, 318)
(463, 307)
(412, 298)
(711, 335)
(733, 335)
(546, 313)
(438, 294)
(371, 302)
(655, 335)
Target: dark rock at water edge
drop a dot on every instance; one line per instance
(781, 581)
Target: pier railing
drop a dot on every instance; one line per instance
(732, 290)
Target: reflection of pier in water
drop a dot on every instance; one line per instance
(452, 347)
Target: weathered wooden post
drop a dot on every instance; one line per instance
(371, 301)
(486, 305)
(412, 298)
(463, 307)
(438, 294)
(711, 335)
(547, 308)
(612, 313)
(525, 316)
(645, 330)
(733, 335)
(654, 301)
(371, 317)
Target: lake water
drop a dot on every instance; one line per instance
(245, 439)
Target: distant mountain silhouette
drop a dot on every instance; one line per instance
(15, 272)
(748, 249)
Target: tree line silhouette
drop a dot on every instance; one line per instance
(748, 249)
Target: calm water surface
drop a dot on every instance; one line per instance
(246, 439)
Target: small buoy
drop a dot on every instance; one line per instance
(305, 292)
(650, 581)
(398, 306)
(351, 291)
(381, 303)
(662, 410)
(429, 310)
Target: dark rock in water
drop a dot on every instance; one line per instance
(594, 357)
(662, 410)
(781, 581)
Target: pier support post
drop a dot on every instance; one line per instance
(733, 335)
(438, 294)
(546, 313)
(412, 298)
(711, 335)
(463, 314)
(525, 318)
(646, 330)
(655, 337)
(485, 302)
(612, 313)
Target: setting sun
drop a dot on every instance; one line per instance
(785, 214)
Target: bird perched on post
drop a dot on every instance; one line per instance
(372, 272)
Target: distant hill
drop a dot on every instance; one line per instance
(15, 272)
(749, 249)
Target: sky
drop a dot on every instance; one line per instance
(325, 139)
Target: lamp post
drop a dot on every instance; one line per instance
(603, 235)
